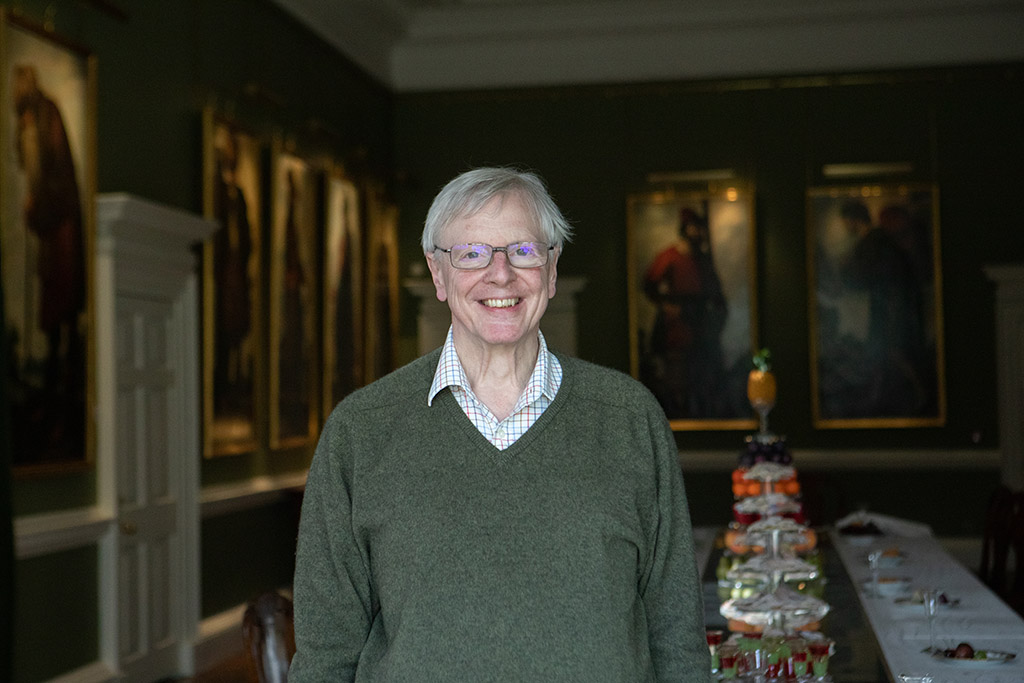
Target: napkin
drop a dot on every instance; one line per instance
(893, 526)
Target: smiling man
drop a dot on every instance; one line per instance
(496, 511)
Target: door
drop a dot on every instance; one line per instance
(150, 564)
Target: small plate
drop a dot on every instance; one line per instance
(991, 658)
(915, 601)
(892, 560)
(890, 585)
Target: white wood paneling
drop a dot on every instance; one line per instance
(148, 435)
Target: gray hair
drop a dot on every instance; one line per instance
(468, 192)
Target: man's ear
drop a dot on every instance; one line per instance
(437, 276)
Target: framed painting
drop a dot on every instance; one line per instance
(343, 362)
(692, 303)
(47, 194)
(232, 286)
(875, 306)
(382, 285)
(293, 329)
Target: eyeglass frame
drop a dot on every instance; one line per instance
(490, 259)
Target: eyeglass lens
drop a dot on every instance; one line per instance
(520, 255)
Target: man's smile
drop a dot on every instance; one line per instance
(500, 303)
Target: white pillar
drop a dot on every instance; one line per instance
(1010, 368)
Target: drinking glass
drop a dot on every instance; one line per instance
(714, 638)
(753, 653)
(728, 657)
(796, 657)
(800, 664)
(874, 557)
(819, 654)
(931, 608)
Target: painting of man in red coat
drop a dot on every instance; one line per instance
(691, 309)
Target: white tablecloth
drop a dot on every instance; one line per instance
(980, 618)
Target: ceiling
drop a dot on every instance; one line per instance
(427, 45)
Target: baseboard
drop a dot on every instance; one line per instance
(220, 638)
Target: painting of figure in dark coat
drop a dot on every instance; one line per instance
(876, 321)
(46, 243)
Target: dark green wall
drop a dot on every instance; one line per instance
(55, 614)
(959, 127)
(230, 556)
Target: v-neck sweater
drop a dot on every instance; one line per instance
(427, 554)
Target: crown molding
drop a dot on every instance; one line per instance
(424, 45)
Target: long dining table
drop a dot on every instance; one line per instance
(885, 637)
(971, 613)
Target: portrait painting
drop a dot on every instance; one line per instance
(232, 285)
(343, 362)
(875, 306)
(382, 285)
(692, 307)
(47, 188)
(292, 335)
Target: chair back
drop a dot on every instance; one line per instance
(1015, 594)
(996, 539)
(269, 633)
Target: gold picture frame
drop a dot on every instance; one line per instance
(343, 335)
(292, 338)
(232, 287)
(691, 269)
(875, 306)
(47, 228)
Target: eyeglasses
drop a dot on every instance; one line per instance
(476, 256)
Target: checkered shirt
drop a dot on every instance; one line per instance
(539, 392)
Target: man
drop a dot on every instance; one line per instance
(494, 511)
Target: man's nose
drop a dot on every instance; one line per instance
(500, 269)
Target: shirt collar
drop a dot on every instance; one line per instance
(450, 373)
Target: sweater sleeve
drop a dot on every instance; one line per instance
(672, 591)
(332, 589)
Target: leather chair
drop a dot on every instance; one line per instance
(996, 539)
(1015, 594)
(269, 633)
(1003, 547)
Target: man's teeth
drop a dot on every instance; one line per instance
(500, 303)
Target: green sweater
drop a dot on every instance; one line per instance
(427, 554)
